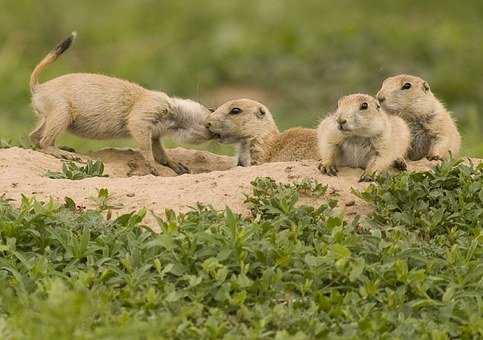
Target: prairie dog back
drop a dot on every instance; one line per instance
(295, 144)
(98, 105)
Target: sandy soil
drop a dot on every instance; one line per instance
(214, 181)
(129, 162)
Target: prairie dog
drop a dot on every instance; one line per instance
(101, 107)
(250, 125)
(361, 135)
(434, 134)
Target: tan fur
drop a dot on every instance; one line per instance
(434, 134)
(257, 136)
(101, 107)
(368, 139)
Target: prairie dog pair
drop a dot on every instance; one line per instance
(361, 135)
(434, 134)
(250, 125)
(101, 107)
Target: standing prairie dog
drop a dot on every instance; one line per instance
(101, 107)
(361, 135)
(434, 134)
(250, 125)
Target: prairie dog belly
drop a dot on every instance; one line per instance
(355, 152)
(420, 141)
(97, 127)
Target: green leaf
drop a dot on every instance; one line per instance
(357, 268)
(449, 293)
(340, 251)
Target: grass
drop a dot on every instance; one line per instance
(23, 143)
(5, 144)
(285, 271)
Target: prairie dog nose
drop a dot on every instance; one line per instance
(341, 121)
(208, 125)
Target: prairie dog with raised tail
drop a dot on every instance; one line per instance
(101, 107)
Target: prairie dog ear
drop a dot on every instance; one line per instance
(426, 87)
(211, 109)
(261, 112)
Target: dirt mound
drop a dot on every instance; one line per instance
(23, 172)
(129, 162)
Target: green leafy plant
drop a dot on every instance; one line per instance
(71, 170)
(447, 198)
(104, 200)
(23, 143)
(285, 271)
(5, 144)
(270, 197)
(310, 187)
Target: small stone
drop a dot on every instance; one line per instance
(333, 191)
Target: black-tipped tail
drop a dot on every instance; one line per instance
(65, 44)
(49, 59)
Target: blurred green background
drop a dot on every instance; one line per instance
(296, 56)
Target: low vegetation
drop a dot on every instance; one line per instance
(24, 144)
(413, 269)
(73, 171)
(4, 144)
(445, 201)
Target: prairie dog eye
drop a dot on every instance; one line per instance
(364, 106)
(406, 86)
(235, 111)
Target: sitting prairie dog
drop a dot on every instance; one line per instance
(434, 134)
(361, 135)
(101, 107)
(250, 125)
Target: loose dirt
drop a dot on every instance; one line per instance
(214, 181)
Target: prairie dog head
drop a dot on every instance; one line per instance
(360, 115)
(407, 95)
(241, 119)
(190, 120)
